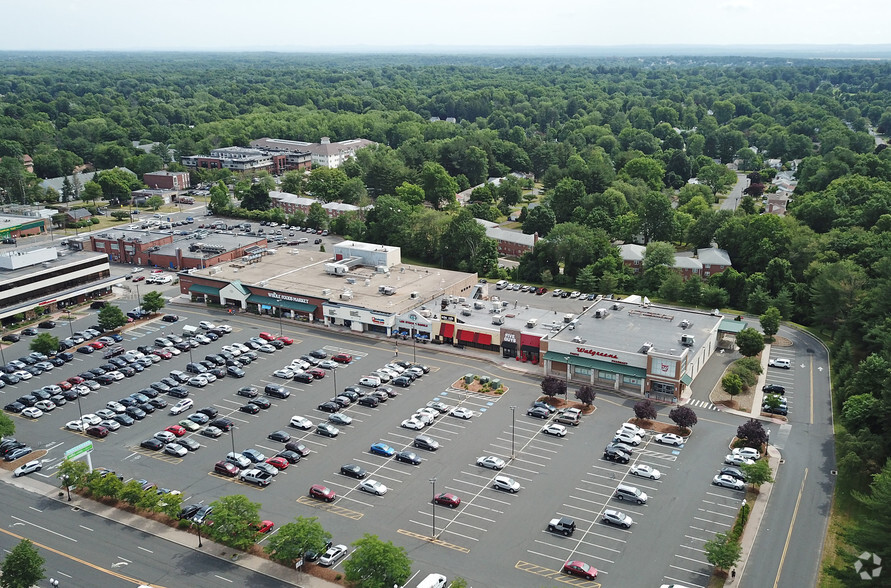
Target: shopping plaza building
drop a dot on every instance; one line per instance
(627, 345)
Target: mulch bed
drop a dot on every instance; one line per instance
(660, 427)
(559, 403)
(11, 465)
(475, 386)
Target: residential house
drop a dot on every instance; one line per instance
(510, 243)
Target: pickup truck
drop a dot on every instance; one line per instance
(562, 525)
(255, 476)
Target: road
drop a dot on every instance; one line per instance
(82, 549)
(735, 195)
(790, 542)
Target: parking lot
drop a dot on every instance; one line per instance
(557, 476)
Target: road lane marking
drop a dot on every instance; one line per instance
(23, 521)
(791, 527)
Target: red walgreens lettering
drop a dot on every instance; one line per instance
(596, 353)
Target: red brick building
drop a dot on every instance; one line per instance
(165, 180)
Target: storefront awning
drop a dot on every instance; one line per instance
(278, 303)
(625, 370)
(202, 289)
(447, 330)
(686, 379)
(466, 336)
(508, 345)
(484, 339)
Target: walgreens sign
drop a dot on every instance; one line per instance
(596, 353)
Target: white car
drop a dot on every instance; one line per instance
(165, 436)
(427, 410)
(620, 519)
(82, 390)
(554, 429)
(373, 487)
(32, 413)
(299, 364)
(74, 426)
(242, 347)
(645, 471)
(110, 424)
(299, 422)
(265, 348)
(52, 388)
(118, 376)
(182, 406)
(396, 368)
(197, 381)
(749, 452)
(115, 406)
(623, 437)
(490, 461)
(175, 449)
(461, 412)
(412, 424)
(737, 460)
(225, 328)
(728, 481)
(285, 373)
(423, 417)
(22, 374)
(235, 351)
(630, 428)
(780, 363)
(506, 484)
(202, 339)
(207, 325)
(106, 414)
(333, 555)
(382, 376)
(45, 405)
(669, 439)
(91, 419)
(31, 466)
(172, 350)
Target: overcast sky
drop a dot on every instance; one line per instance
(294, 25)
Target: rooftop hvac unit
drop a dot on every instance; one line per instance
(346, 295)
(367, 282)
(326, 292)
(351, 280)
(685, 324)
(414, 294)
(646, 348)
(531, 323)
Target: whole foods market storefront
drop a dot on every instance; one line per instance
(286, 305)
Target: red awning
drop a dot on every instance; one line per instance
(466, 336)
(447, 330)
(484, 339)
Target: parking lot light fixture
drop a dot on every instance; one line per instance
(433, 502)
(513, 427)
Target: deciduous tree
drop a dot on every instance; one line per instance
(73, 472)
(112, 317)
(757, 473)
(234, 521)
(7, 426)
(750, 342)
(723, 551)
(377, 564)
(440, 188)
(552, 386)
(586, 395)
(154, 202)
(153, 301)
(23, 567)
(753, 433)
(645, 410)
(45, 343)
(732, 384)
(683, 416)
(294, 539)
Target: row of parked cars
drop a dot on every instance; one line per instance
(28, 332)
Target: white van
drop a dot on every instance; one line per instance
(433, 581)
(500, 284)
(189, 330)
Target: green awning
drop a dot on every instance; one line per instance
(686, 379)
(278, 303)
(202, 289)
(732, 326)
(604, 366)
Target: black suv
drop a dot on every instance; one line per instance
(615, 454)
(224, 424)
(773, 389)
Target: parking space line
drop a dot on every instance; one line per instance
(711, 521)
(691, 571)
(720, 514)
(332, 508)
(434, 541)
(687, 581)
(553, 574)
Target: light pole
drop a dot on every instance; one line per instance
(334, 375)
(70, 328)
(67, 486)
(414, 349)
(281, 329)
(199, 535)
(433, 502)
(513, 427)
(232, 435)
(566, 391)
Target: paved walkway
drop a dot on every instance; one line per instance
(187, 540)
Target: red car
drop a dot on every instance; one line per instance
(225, 468)
(279, 462)
(162, 353)
(581, 569)
(320, 492)
(96, 345)
(267, 336)
(138, 278)
(177, 430)
(97, 431)
(446, 499)
(65, 385)
(317, 373)
(264, 527)
(343, 358)
(76, 380)
(285, 340)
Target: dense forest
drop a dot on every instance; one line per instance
(612, 144)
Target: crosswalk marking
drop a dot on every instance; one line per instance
(703, 404)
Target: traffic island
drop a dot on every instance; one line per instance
(481, 384)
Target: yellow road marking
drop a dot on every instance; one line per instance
(791, 526)
(439, 542)
(80, 561)
(538, 570)
(332, 508)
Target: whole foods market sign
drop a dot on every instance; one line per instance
(78, 450)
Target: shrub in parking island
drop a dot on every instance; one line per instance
(752, 434)
(645, 410)
(732, 384)
(758, 473)
(748, 370)
(107, 487)
(586, 395)
(74, 471)
(131, 492)
(683, 417)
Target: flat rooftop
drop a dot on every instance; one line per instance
(66, 256)
(629, 325)
(135, 236)
(304, 273)
(515, 317)
(229, 242)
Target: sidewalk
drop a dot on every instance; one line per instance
(187, 540)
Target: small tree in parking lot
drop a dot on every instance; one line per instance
(111, 317)
(294, 539)
(74, 471)
(153, 301)
(45, 343)
(683, 417)
(645, 410)
(552, 386)
(773, 401)
(732, 384)
(586, 395)
(722, 551)
(750, 342)
(753, 433)
(757, 473)
(377, 564)
(234, 521)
